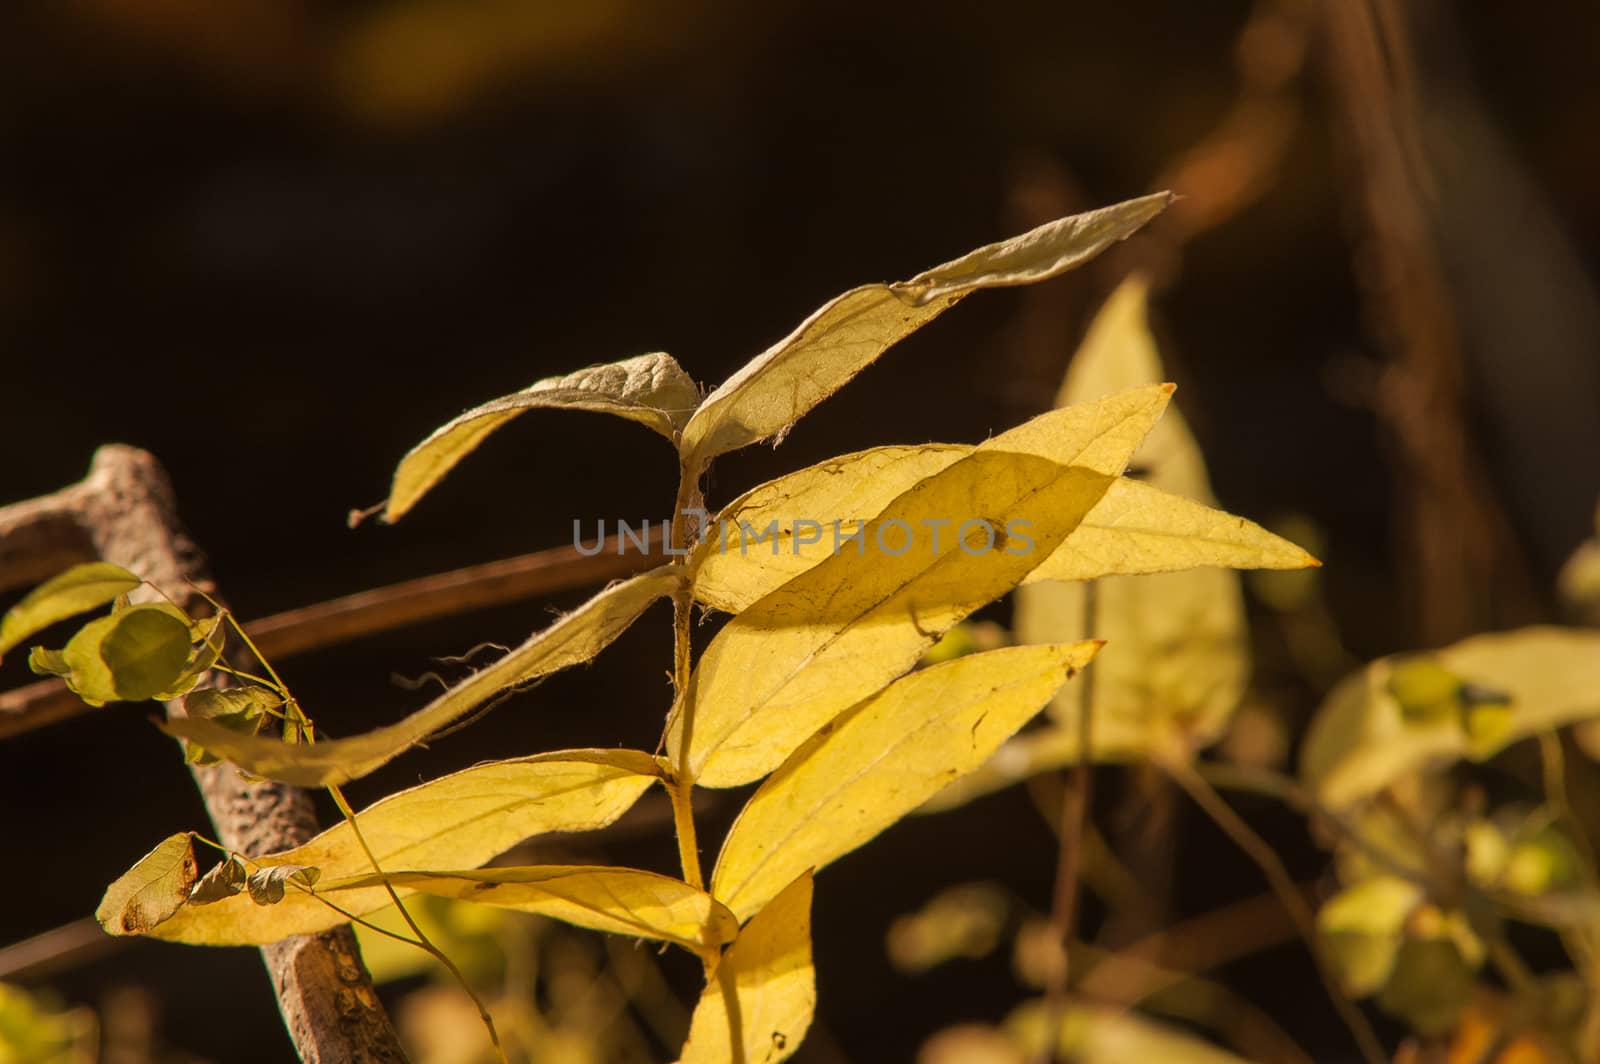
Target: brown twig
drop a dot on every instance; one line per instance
(1075, 802)
(124, 513)
(325, 624)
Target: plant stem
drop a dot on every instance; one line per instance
(1262, 853)
(681, 786)
(1075, 802)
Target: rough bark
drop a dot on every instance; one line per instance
(124, 512)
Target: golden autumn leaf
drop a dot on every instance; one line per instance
(619, 901)
(457, 821)
(573, 640)
(650, 389)
(758, 1004)
(80, 588)
(846, 335)
(840, 631)
(150, 892)
(882, 759)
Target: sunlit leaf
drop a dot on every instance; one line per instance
(620, 901)
(46, 662)
(1177, 650)
(1360, 740)
(880, 761)
(650, 389)
(758, 1004)
(573, 640)
(210, 636)
(130, 656)
(150, 892)
(842, 630)
(459, 821)
(786, 526)
(842, 338)
(80, 588)
(965, 920)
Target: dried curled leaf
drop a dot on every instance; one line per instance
(1362, 739)
(842, 630)
(846, 335)
(148, 894)
(650, 389)
(80, 588)
(618, 901)
(882, 759)
(224, 881)
(458, 821)
(758, 1004)
(266, 886)
(573, 640)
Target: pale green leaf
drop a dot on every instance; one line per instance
(759, 1002)
(878, 762)
(80, 588)
(130, 656)
(572, 640)
(650, 389)
(1361, 741)
(842, 630)
(1363, 927)
(150, 892)
(846, 335)
(458, 821)
(618, 901)
(1094, 1034)
(211, 636)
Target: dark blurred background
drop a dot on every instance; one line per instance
(277, 242)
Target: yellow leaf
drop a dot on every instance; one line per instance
(572, 640)
(650, 389)
(619, 901)
(1139, 528)
(847, 334)
(758, 1005)
(1363, 926)
(780, 529)
(842, 630)
(150, 892)
(458, 821)
(80, 588)
(1178, 656)
(878, 762)
(1360, 740)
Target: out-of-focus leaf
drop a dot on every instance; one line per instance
(650, 389)
(758, 1004)
(1177, 658)
(1429, 986)
(1117, 739)
(878, 762)
(1579, 581)
(267, 885)
(1360, 740)
(1108, 1035)
(572, 640)
(963, 921)
(1363, 927)
(149, 893)
(842, 630)
(34, 1029)
(846, 335)
(457, 821)
(130, 656)
(80, 588)
(619, 901)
